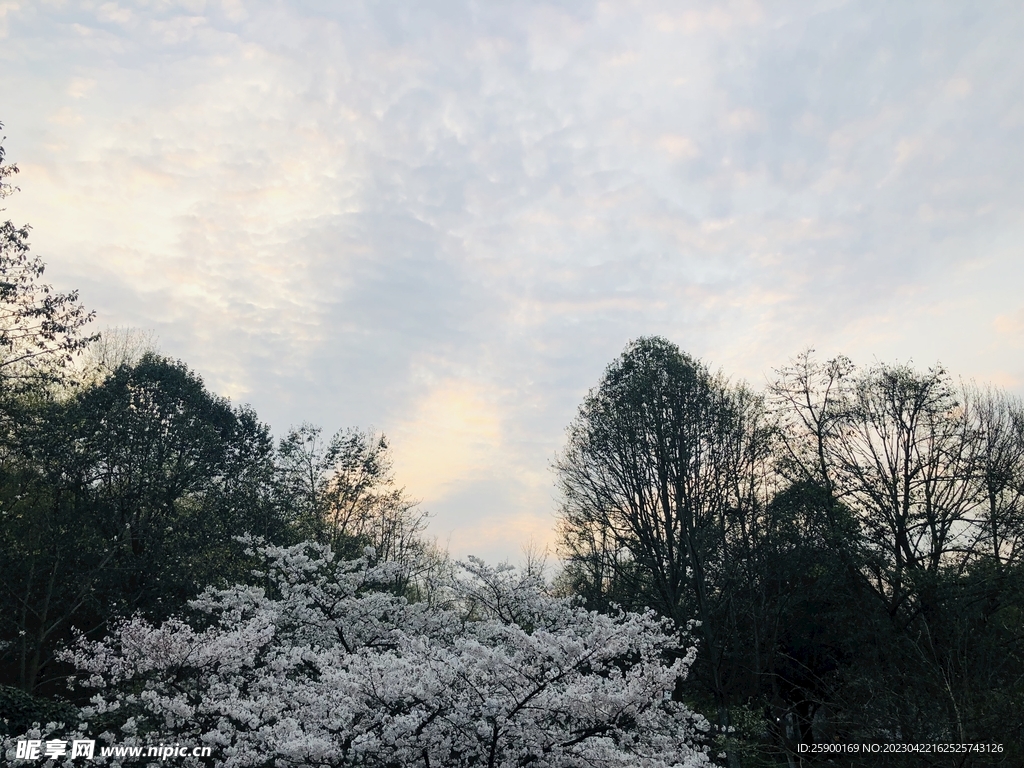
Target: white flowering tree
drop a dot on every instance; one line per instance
(324, 667)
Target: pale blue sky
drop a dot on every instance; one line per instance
(443, 219)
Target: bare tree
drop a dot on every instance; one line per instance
(902, 448)
(41, 330)
(342, 493)
(999, 421)
(114, 347)
(933, 473)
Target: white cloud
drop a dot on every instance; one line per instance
(312, 206)
(6, 8)
(80, 87)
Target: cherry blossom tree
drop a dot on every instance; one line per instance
(324, 666)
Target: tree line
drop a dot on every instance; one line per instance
(850, 540)
(124, 496)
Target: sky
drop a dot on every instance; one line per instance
(442, 220)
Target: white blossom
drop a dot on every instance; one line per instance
(326, 667)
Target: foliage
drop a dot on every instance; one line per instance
(663, 465)
(20, 710)
(124, 498)
(851, 543)
(934, 476)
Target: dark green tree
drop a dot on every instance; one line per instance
(126, 498)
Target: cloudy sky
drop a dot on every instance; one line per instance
(443, 219)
